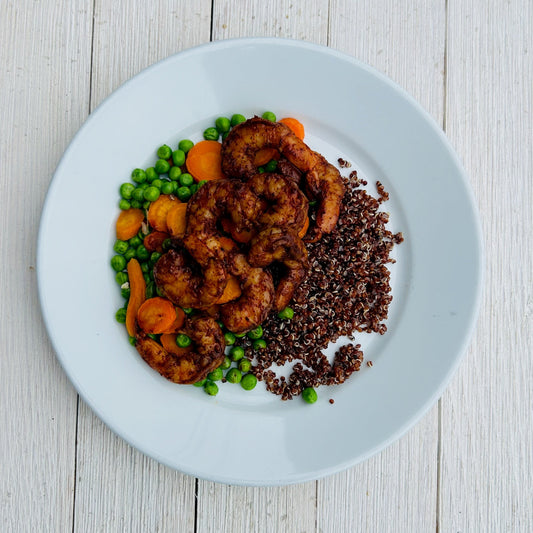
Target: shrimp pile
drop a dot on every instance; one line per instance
(247, 227)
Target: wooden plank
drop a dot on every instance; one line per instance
(487, 422)
(118, 488)
(44, 89)
(396, 490)
(276, 509)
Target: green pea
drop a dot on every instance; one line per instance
(143, 185)
(162, 166)
(120, 246)
(255, 333)
(222, 124)
(226, 364)
(157, 183)
(194, 188)
(150, 290)
(233, 375)
(211, 388)
(153, 337)
(183, 340)
(120, 315)
(138, 194)
(220, 324)
(186, 180)
(124, 205)
(312, 203)
(125, 293)
(211, 134)
(175, 172)
(236, 353)
(155, 256)
(151, 194)
(309, 395)
(145, 267)
(151, 174)
(184, 193)
(178, 157)
(126, 189)
(187, 310)
(286, 314)
(224, 135)
(271, 165)
(147, 278)
(146, 205)
(200, 383)
(118, 263)
(167, 187)
(138, 175)
(215, 375)
(261, 170)
(259, 344)
(240, 335)
(132, 340)
(202, 183)
(248, 382)
(135, 241)
(268, 115)
(164, 152)
(245, 365)
(136, 204)
(121, 278)
(229, 338)
(185, 145)
(166, 244)
(130, 254)
(142, 253)
(237, 119)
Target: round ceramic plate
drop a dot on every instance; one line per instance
(349, 111)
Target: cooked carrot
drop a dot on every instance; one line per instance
(177, 220)
(153, 242)
(168, 341)
(263, 156)
(204, 161)
(158, 210)
(137, 294)
(228, 244)
(303, 231)
(231, 292)
(178, 323)
(295, 125)
(156, 315)
(242, 236)
(129, 223)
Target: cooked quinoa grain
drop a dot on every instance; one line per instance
(347, 290)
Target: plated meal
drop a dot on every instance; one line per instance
(246, 254)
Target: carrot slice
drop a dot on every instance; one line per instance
(178, 323)
(156, 315)
(168, 341)
(177, 220)
(157, 213)
(137, 294)
(204, 161)
(242, 236)
(263, 156)
(231, 292)
(153, 242)
(129, 223)
(295, 125)
(303, 231)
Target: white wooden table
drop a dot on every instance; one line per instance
(467, 466)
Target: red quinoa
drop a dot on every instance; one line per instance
(347, 290)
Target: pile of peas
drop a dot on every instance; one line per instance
(167, 176)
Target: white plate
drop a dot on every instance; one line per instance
(349, 110)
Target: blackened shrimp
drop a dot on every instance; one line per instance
(184, 283)
(287, 205)
(283, 246)
(322, 179)
(256, 299)
(207, 354)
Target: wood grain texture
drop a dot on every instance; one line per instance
(117, 488)
(487, 425)
(396, 490)
(44, 95)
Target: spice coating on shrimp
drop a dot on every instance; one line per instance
(208, 352)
